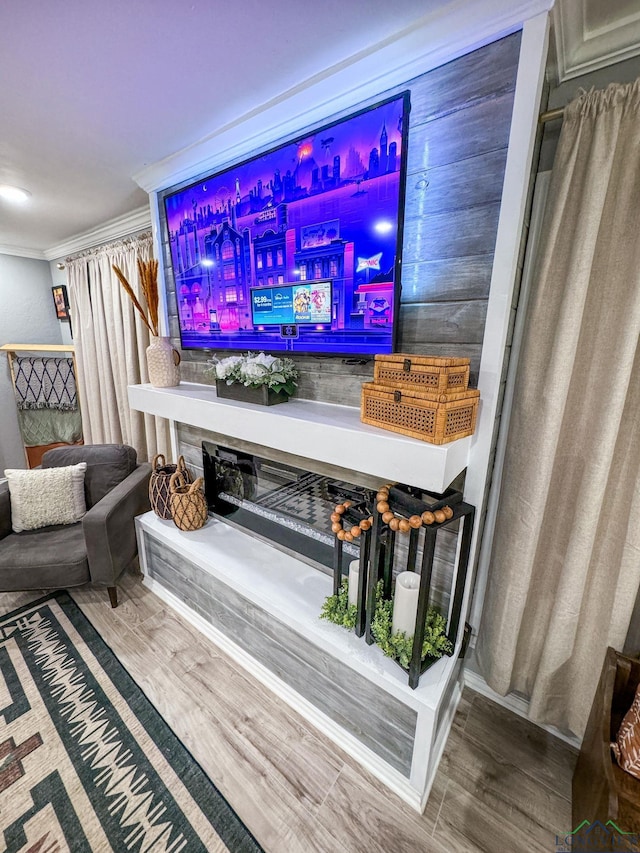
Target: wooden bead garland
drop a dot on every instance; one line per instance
(395, 522)
(338, 522)
(405, 525)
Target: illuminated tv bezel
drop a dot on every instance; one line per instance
(228, 341)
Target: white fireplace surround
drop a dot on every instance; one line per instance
(287, 587)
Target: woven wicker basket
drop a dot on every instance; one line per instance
(426, 373)
(436, 418)
(188, 504)
(159, 483)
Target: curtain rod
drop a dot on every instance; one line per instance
(551, 115)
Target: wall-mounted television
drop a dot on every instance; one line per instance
(297, 249)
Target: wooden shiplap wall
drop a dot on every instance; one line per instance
(458, 136)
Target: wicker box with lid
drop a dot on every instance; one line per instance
(434, 417)
(426, 373)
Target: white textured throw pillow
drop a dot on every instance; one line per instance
(46, 496)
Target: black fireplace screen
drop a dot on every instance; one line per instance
(286, 505)
(291, 509)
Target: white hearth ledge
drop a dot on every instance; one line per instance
(293, 593)
(329, 433)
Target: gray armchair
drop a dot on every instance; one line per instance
(95, 550)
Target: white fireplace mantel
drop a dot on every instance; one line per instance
(323, 431)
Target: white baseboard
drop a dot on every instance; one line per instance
(516, 704)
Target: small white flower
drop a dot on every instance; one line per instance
(262, 358)
(227, 366)
(253, 372)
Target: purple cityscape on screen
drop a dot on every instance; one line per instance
(296, 249)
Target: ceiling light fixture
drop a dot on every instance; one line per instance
(15, 194)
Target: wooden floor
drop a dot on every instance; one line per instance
(503, 783)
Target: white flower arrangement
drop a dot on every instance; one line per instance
(255, 370)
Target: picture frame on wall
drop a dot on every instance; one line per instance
(61, 301)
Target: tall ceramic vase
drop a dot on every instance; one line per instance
(163, 363)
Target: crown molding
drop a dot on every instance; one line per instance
(439, 37)
(582, 48)
(20, 252)
(121, 226)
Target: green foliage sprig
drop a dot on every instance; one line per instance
(398, 646)
(337, 609)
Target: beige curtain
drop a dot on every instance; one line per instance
(111, 340)
(565, 566)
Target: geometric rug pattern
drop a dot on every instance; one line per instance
(86, 761)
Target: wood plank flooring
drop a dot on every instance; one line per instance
(503, 783)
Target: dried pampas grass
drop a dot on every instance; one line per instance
(148, 273)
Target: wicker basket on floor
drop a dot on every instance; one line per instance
(188, 504)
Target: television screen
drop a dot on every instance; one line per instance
(297, 249)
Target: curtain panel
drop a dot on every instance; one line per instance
(565, 565)
(111, 340)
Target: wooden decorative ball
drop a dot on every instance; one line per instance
(355, 531)
(365, 524)
(336, 527)
(394, 523)
(428, 517)
(405, 527)
(340, 508)
(383, 506)
(348, 536)
(447, 511)
(415, 521)
(387, 516)
(335, 516)
(341, 534)
(346, 504)
(440, 516)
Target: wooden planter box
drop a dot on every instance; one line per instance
(436, 418)
(425, 373)
(260, 395)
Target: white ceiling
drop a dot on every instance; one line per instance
(94, 92)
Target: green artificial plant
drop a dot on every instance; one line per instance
(398, 646)
(337, 609)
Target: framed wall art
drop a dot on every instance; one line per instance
(61, 301)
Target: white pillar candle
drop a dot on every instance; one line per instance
(405, 603)
(354, 575)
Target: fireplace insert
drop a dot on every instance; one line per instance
(291, 508)
(288, 507)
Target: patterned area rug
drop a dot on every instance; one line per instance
(86, 762)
